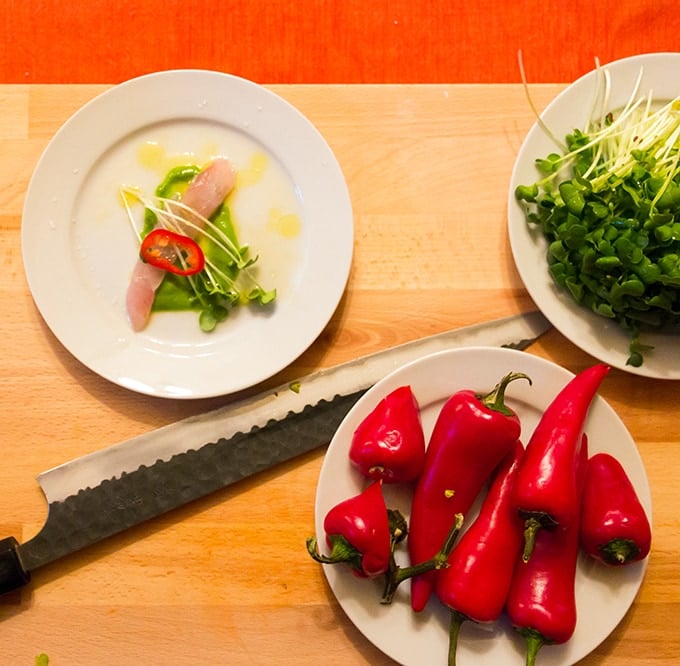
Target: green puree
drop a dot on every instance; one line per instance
(227, 280)
(172, 186)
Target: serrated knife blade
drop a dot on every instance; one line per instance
(103, 493)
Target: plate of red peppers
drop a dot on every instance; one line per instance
(484, 506)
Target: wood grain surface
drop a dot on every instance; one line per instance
(227, 579)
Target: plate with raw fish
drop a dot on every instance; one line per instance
(187, 234)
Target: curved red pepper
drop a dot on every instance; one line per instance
(389, 443)
(546, 493)
(172, 252)
(614, 526)
(542, 598)
(476, 582)
(471, 436)
(358, 533)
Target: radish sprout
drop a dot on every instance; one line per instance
(609, 205)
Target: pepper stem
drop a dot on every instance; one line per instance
(534, 642)
(341, 551)
(619, 551)
(531, 527)
(396, 575)
(533, 522)
(457, 620)
(495, 399)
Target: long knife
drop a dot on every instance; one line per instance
(103, 493)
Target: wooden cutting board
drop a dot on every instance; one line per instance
(227, 580)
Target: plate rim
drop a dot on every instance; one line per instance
(449, 361)
(562, 312)
(199, 105)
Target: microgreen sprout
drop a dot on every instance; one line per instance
(608, 204)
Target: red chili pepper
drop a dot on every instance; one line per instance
(358, 533)
(476, 582)
(471, 436)
(542, 598)
(172, 252)
(546, 493)
(389, 443)
(614, 526)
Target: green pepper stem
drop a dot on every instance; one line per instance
(495, 399)
(341, 551)
(619, 551)
(396, 575)
(534, 642)
(531, 527)
(457, 620)
(533, 522)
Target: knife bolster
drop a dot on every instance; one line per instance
(12, 571)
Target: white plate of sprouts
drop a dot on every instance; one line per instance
(629, 105)
(290, 206)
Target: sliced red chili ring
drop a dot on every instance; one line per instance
(172, 252)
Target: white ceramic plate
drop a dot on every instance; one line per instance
(603, 594)
(79, 249)
(596, 335)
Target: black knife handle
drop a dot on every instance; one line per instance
(12, 572)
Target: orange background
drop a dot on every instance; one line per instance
(328, 41)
